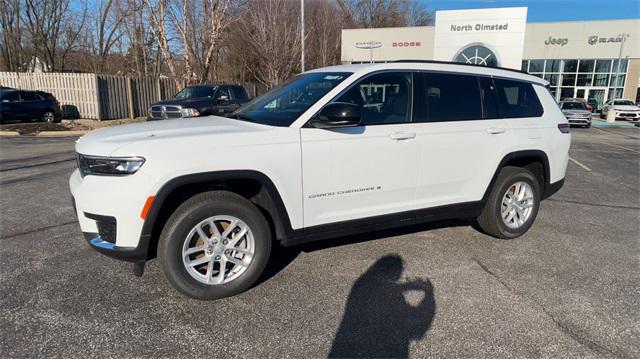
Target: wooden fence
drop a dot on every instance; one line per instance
(101, 97)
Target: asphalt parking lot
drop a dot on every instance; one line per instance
(568, 288)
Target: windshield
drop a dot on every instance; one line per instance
(196, 92)
(282, 105)
(624, 103)
(573, 106)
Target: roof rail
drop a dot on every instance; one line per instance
(460, 63)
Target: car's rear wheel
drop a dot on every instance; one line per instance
(512, 205)
(215, 245)
(48, 117)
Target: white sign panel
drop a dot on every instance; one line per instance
(491, 37)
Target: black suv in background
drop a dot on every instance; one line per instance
(201, 100)
(20, 105)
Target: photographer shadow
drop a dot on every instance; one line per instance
(378, 320)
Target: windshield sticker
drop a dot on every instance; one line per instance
(333, 77)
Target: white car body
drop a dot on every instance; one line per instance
(322, 176)
(627, 112)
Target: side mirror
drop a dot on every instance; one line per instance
(337, 114)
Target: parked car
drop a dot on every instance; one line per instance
(21, 105)
(367, 147)
(624, 110)
(592, 105)
(576, 112)
(579, 99)
(201, 100)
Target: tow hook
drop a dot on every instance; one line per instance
(138, 268)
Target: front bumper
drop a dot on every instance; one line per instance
(581, 121)
(121, 198)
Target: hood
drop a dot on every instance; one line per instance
(626, 108)
(105, 141)
(576, 112)
(175, 102)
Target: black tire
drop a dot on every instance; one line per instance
(48, 116)
(588, 126)
(186, 217)
(602, 115)
(490, 220)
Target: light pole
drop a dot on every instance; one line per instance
(302, 35)
(624, 38)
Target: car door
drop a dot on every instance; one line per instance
(12, 107)
(224, 102)
(31, 106)
(368, 170)
(460, 137)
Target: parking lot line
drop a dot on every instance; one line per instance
(580, 164)
(624, 148)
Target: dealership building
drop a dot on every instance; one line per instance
(578, 58)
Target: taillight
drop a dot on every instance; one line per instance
(563, 127)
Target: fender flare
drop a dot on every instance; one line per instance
(277, 210)
(538, 154)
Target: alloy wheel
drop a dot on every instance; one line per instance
(517, 205)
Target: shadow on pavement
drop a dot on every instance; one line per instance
(379, 320)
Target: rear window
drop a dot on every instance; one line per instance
(517, 99)
(240, 93)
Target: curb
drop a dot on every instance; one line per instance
(9, 133)
(44, 134)
(61, 133)
(613, 124)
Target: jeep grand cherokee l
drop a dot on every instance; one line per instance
(333, 151)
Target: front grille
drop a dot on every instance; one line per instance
(627, 114)
(162, 111)
(107, 226)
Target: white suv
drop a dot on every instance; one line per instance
(334, 151)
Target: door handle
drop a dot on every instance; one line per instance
(496, 130)
(399, 136)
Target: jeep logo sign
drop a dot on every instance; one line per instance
(554, 41)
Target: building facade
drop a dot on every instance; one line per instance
(578, 58)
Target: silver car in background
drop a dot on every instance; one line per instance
(576, 112)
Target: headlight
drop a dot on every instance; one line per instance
(114, 166)
(190, 112)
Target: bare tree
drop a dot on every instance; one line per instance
(53, 29)
(107, 29)
(11, 40)
(322, 41)
(270, 29)
(384, 13)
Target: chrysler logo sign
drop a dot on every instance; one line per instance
(595, 39)
(368, 44)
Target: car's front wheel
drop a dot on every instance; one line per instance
(48, 117)
(215, 245)
(512, 205)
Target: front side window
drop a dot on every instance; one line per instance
(517, 99)
(28, 96)
(384, 98)
(11, 97)
(282, 105)
(448, 97)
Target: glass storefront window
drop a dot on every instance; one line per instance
(552, 66)
(553, 79)
(623, 66)
(586, 66)
(603, 66)
(525, 65)
(570, 65)
(566, 92)
(614, 93)
(617, 80)
(584, 80)
(601, 80)
(568, 80)
(536, 65)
